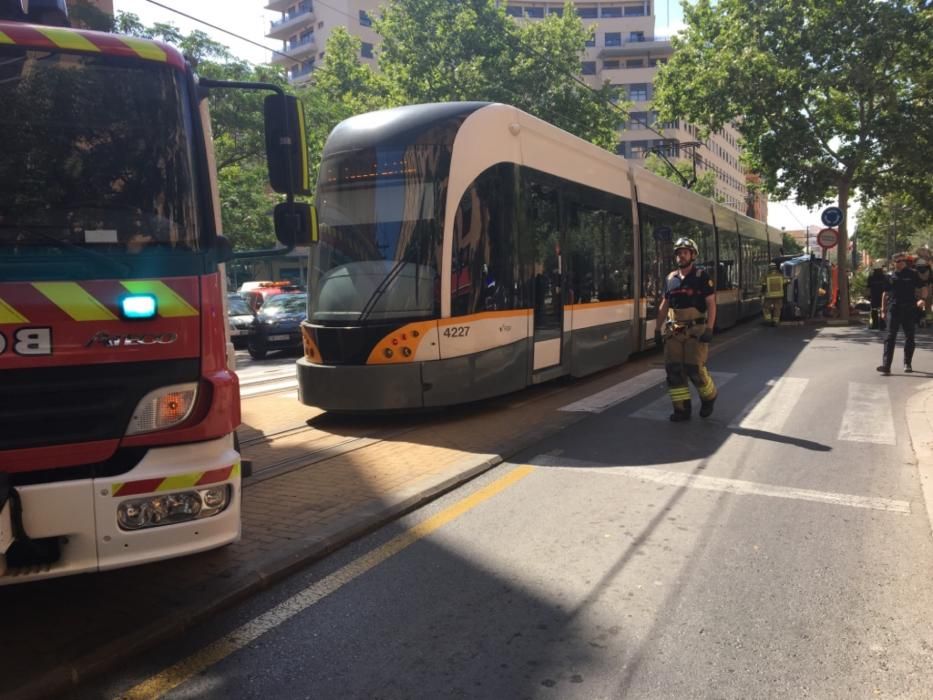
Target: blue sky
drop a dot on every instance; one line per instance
(248, 19)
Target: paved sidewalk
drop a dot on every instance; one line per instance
(67, 630)
(919, 411)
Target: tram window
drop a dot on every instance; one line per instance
(728, 274)
(485, 272)
(599, 235)
(660, 229)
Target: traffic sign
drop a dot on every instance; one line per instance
(831, 216)
(828, 238)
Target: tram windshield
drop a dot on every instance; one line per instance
(380, 213)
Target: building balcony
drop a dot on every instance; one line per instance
(279, 5)
(297, 50)
(292, 24)
(300, 76)
(650, 46)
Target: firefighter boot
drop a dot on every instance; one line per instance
(706, 407)
(681, 414)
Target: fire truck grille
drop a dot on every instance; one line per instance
(63, 405)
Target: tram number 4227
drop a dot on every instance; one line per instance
(457, 332)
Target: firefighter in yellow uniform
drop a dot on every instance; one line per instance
(772, 291)
(689, 307)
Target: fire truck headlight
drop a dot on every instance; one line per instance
(171, 508)
(163, 408)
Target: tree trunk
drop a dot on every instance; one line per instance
(843, 251)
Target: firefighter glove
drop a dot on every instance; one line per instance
(707, 336)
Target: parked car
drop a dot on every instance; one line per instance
(242, 320)
(256, 293)
(278, 325)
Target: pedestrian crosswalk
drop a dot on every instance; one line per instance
(868, 416)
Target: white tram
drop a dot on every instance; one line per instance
(469, 249)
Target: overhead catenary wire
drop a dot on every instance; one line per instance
(589, 88)
(540, 56)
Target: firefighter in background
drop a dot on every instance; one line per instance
(773, 286)
(689, 304)
(877, 282)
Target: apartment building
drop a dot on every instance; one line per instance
(305, 26)
(624, 50)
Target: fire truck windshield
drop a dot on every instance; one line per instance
(97, 166)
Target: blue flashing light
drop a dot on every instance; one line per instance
(138, 306)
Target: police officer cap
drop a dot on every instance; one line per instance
(686, 243)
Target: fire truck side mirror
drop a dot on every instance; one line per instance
(287, 145)
(296, 224)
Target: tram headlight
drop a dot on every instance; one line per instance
(171, 508)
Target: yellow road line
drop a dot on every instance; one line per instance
(172, 677)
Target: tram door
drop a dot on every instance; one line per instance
(548, 272)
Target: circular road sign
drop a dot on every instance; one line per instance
(831, 216)
(828, 238)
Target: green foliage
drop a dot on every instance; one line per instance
(705, 184)
(817, 89)
(441, 50)
(894, 223)
(790, 244)
(246, 201)
(860, 283)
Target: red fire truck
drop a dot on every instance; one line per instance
(117, 404)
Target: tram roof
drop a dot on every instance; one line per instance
(402, 125)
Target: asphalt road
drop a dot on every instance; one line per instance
(779, 549)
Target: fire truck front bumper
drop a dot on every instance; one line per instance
(178, 500)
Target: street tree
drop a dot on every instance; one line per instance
(246, 199)
(442, 50)
(815, 87)
(789, 244)
(894, 223)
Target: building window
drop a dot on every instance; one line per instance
(612, 11)
(613, 38)
(365, 20)
(652, 62)
(638, 92)
(513, 11)
(587, 12)
(559, 11)
(636, 36)
(609, 65)
(366, 50)
(634, 10)
(591, 41)
(637, 120)
(634, 63)
(588, 68)
(535, 12)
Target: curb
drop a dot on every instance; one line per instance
(919, 414)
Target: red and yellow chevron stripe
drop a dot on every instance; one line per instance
(67, 39)
(177, 482)
(88, 301)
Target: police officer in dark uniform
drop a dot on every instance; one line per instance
(898, 308)
(689, 306)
